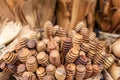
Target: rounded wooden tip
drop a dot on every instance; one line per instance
(84, 30)
(40, 70)
(71, 67)
(28, 76)
(95, 67)
(80, 68)
(41, 46)
(89, 67)
(31, 60)
(41, 55)
(82, 53)
(31, 44)
(74, 51)
(54, 53)
(6, 56)
(50, 68)
(83, 58)
(60, 73)
(48, 77)
(24, 52)
(21, 68)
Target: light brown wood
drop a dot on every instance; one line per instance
(114, 71)
(42, 58)
(4, 9)
(40, 73)
(60, 73)
(43, 8)
(70, 71)
(27, 9)
(54, 57)
(72, 55)
(63, 15)
(50, 69)
(80, 72)
(79, 11)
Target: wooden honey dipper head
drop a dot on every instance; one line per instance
(85, 47)
(80, 72)
(29, 76)
(99, 57)
(72, 55)
(70, 71)
(10, 68)
(91, 54)
(31, 64)
(82, 60)
(89, 70)
(50, 69)
(84, 31)
(60, 73)
(10, 57)
(40, 73)
(79, 26)
(66, 44)
(36, 36)
(82, 53)
(41, 46)
(4, 67)
(42, 59)
(21, 43)
(61, 33)
(24, 54)
(31, 44)
(93, 45)
(72, 33)
(54, 57)
(96, 70)
(77, 39)
(49, 77)
(108, 61)
(70, 68)
(48, 28)
(21, 69)
(100, 45)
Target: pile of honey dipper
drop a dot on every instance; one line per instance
(55, 54)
